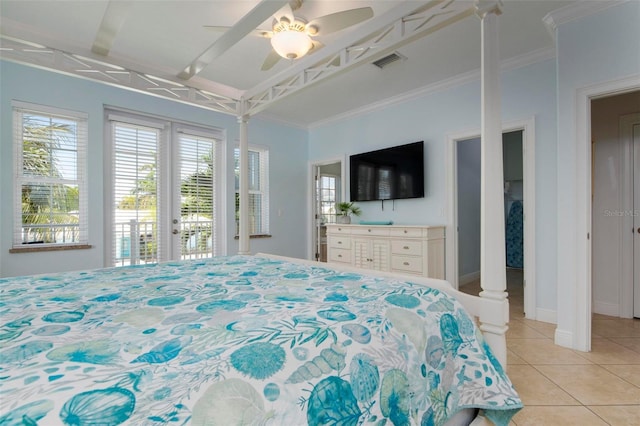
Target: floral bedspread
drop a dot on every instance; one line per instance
(239, 340)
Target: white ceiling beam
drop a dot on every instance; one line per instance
(112, 20)
(404, 24)
(248, 23)
(40, 56)
(363, 31)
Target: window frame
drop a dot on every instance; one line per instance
(263, 152)
(81, 137)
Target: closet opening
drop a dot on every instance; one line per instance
(615, 207)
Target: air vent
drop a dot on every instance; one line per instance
(389, 59)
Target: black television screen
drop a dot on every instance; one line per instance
(388, 174)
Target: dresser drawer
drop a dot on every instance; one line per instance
(340, 255)
(407, 264)
(339, 241)
(406, 232)
(370, 230)
(407, 247)
(339, 230)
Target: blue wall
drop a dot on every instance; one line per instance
(527, 92)
(288, 164)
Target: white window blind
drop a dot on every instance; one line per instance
(50, 203)
(198, 159)
(135, 193)
(258, 190)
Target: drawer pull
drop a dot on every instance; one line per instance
(405, 231)
(339, 255)
(368, 230)
(339, 229)
(405, 263)
(339, 242)
(406, 247)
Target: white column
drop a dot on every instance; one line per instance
(492, 236)
(243, 247)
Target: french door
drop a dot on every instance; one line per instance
(165, 180)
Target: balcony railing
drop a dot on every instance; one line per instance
(137, 242)
(62, 233)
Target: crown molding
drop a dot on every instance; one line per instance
(510, 64)
(576, 10)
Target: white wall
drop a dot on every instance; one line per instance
(527, 92)
(608, 199)
(596, 49)
(288, 164)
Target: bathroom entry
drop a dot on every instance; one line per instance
(327, 191)
(468, 215)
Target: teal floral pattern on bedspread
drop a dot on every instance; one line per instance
(239, 340)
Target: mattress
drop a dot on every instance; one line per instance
(240, 340)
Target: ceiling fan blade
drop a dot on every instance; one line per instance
(285, 11)
(340, 20)
(257, 32)
(261, 12)
(271, 59)
(315, 46)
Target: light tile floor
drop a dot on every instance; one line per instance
(560, 386)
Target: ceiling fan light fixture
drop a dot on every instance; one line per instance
(291, 44)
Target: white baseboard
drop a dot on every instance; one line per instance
(468, 278)
(546, 315)
(605, 308)
(564, 338)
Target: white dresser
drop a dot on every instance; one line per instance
(416, 250)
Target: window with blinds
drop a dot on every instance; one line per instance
(258, 190)
(198, 237)
(50, 176)
(135, 193)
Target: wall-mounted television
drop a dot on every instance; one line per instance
(388, 174)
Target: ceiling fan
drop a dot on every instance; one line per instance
(292, 36)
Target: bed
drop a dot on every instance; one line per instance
(243, 340)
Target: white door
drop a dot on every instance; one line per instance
(636, 220)
(163, 180)
(317, 215)
(327, 190)
(193, 217)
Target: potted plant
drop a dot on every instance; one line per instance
(345, 210)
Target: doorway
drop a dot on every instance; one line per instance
(468, 201)
(327, 190)
(615, 205)
(163, 183)
(519, 139)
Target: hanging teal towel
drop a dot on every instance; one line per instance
(376, 222)
(515, 236)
